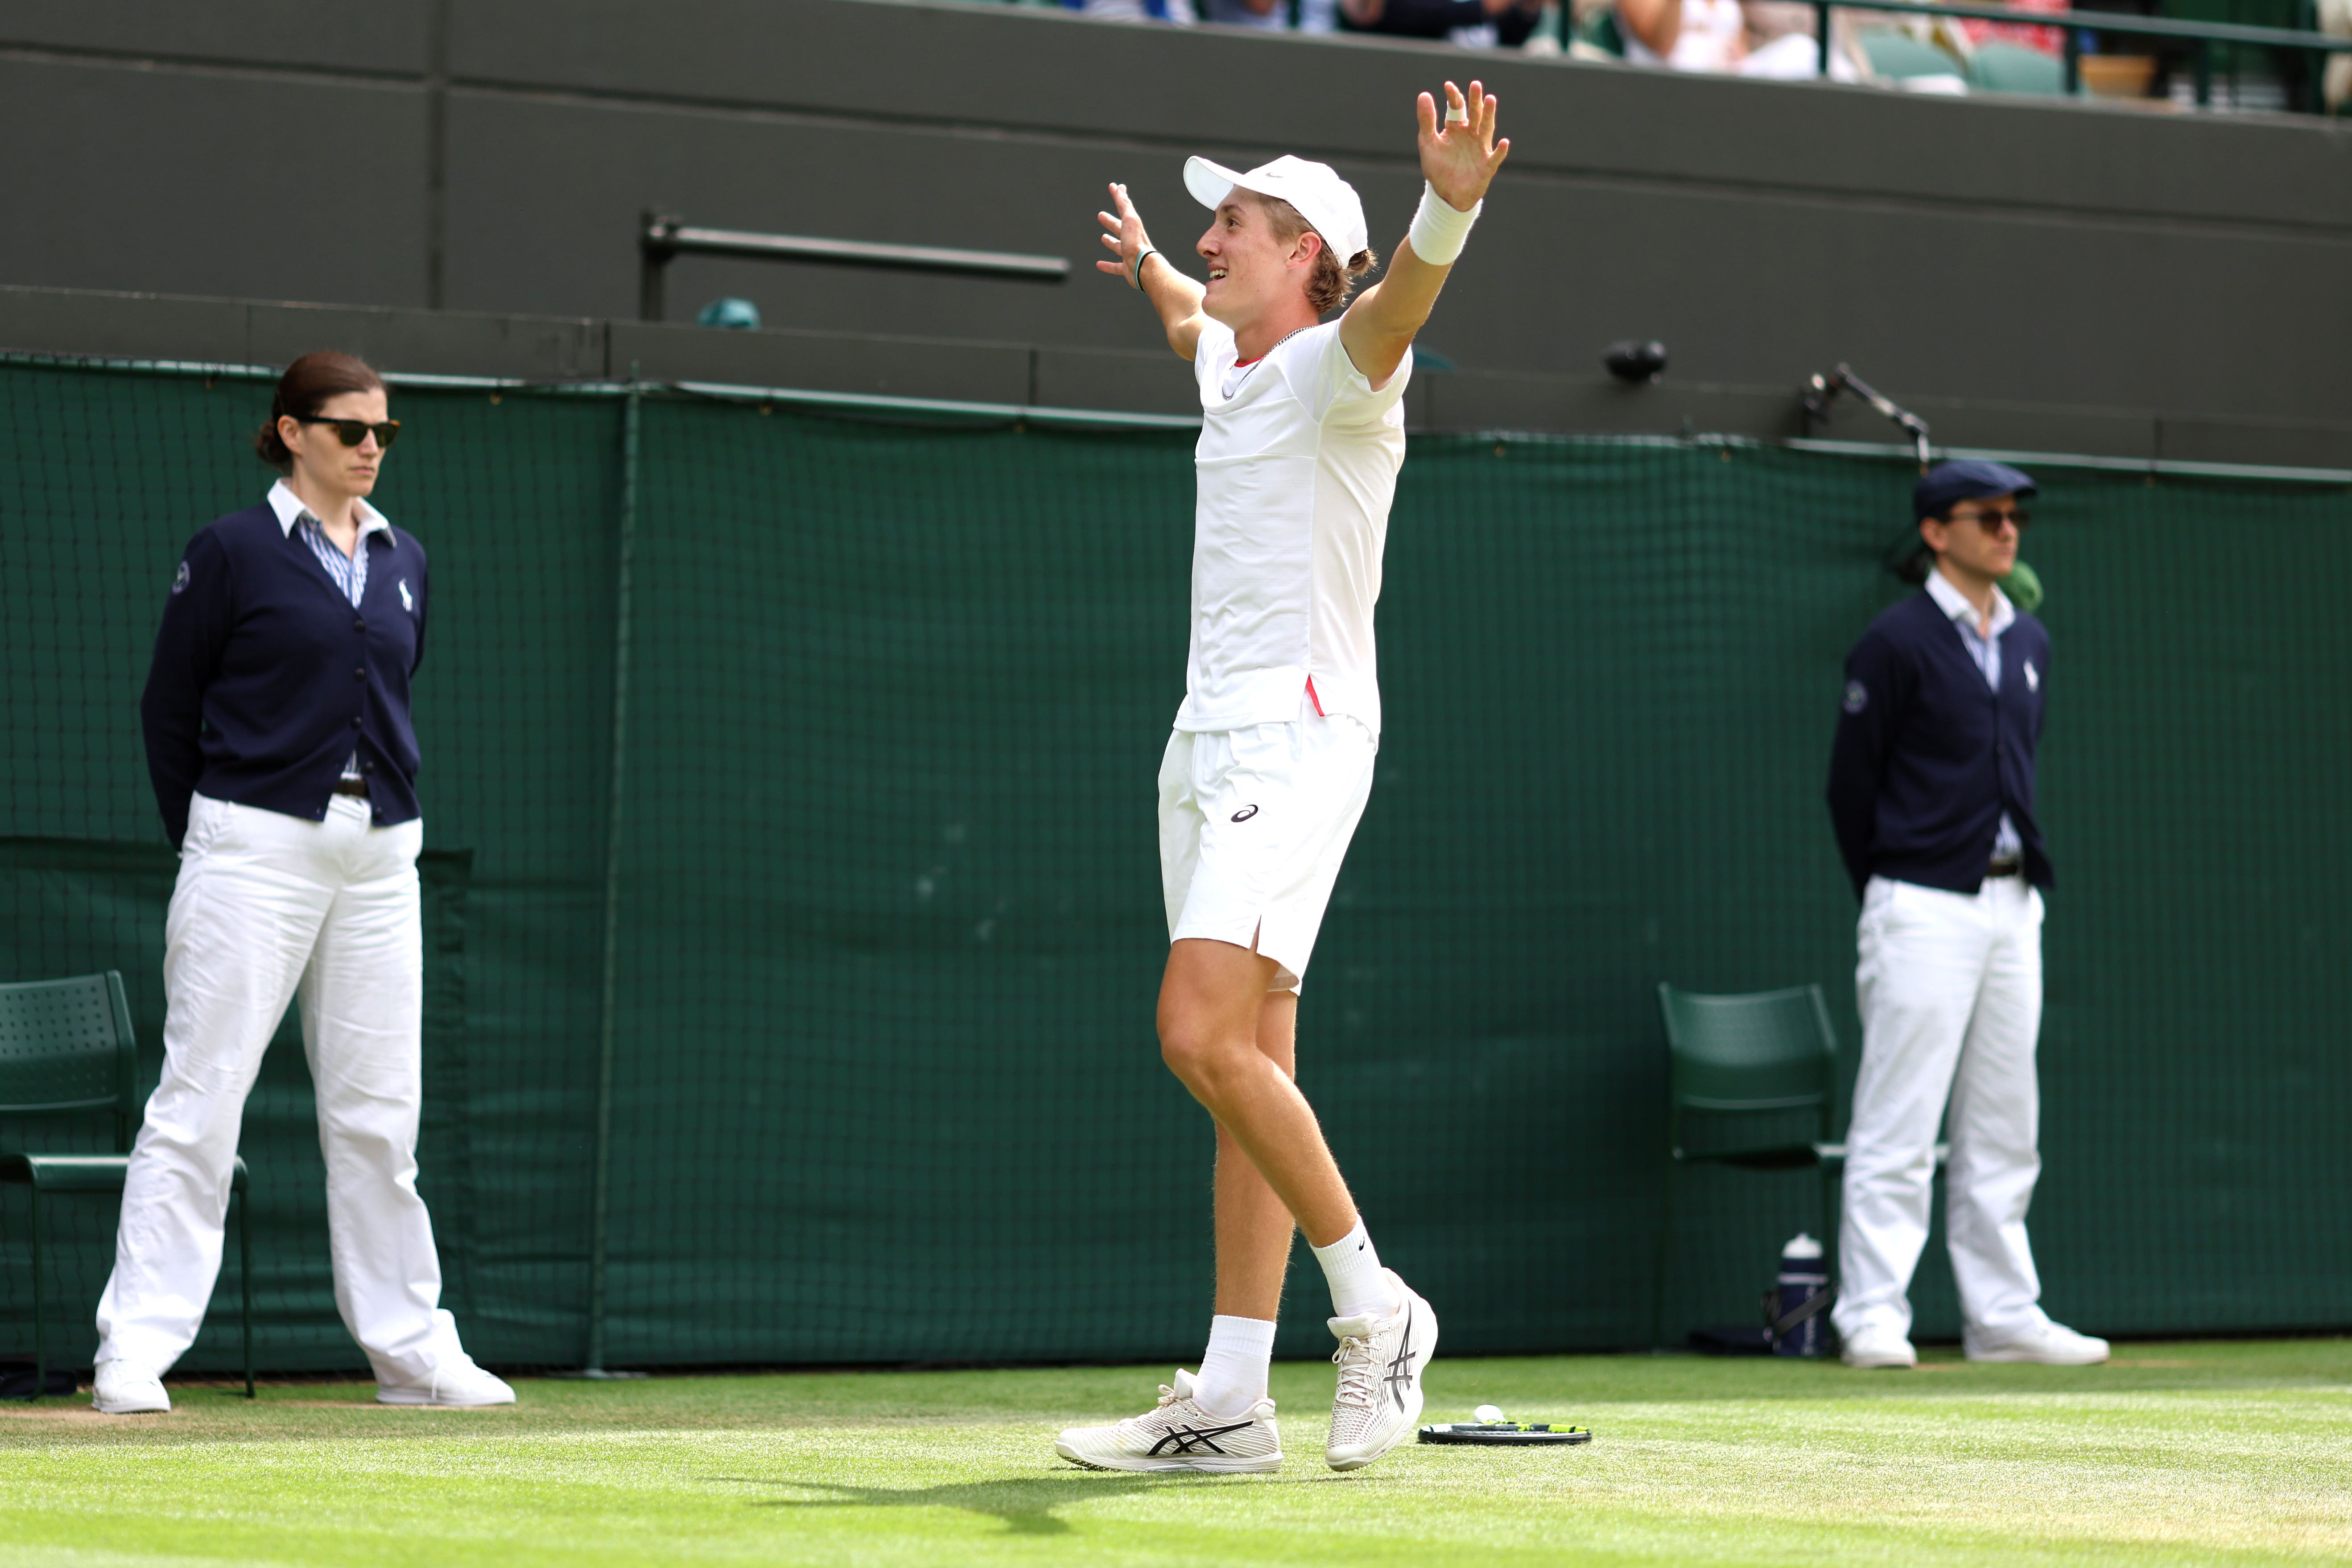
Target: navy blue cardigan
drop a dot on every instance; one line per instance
(266, 680)
(1927, 757)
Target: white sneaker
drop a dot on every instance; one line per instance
(1878, 1347)
(127, 1388)
(460, 1384)
(1380, 1364)
(1179, 1435)
(2052, 1344)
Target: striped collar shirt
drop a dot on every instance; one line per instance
(348, 572)
(1985, 652)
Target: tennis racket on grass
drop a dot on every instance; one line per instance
(1505, 1433)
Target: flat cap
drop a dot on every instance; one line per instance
(1966, 478)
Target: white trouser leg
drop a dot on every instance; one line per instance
(1995, 1125)
(1949, 988)
(245, 913)
(1920, 958)
(267, 904)
(362, 1019)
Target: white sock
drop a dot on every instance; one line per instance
(1234, 1371)
(1358, 1283)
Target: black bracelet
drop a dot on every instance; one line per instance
(1135, 279)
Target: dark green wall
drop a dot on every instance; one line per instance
(2037, 274)
(885, 1084)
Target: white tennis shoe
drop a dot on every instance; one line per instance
(2050, 1345)
(1879, 1346)
(1381, 1362)
(1179, 1435)
(460, 1383)
(127, 1388)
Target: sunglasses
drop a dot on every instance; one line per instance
(352, 432)
(1991, 521)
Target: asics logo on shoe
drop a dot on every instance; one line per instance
(1399, 1377)
(1189, 1441)
(1245, 814)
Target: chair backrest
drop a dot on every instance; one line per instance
(2013, 67)
(1899, 56)
(1773, 1050)
(66, 1049)
(1605, 32)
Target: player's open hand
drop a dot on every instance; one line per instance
(1459, 158)
(1124, 237)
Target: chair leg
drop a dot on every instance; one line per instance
(1666, 1239)
(244, 1279)
(40, 1306)
(1833, 1207)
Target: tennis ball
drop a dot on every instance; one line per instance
(1488, 1413)
(2023, 586)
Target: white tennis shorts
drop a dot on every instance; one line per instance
(1253, 826)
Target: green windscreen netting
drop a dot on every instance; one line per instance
(794, 904)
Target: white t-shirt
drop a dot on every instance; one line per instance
(1296, 466)
(1709, 40)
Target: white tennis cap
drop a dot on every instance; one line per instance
(1326, 202)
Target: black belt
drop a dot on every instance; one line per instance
(351, 786)
(2007, 866)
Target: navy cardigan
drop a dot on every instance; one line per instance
(264, 679)
(1927, 757)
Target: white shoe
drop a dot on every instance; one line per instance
(1179, 1435)
(460, 1384)
(1878, 1347)
(127, 1388)
(2051, 1344)
(1380, 1364)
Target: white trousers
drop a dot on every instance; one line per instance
(1949, 986)
(268, 906)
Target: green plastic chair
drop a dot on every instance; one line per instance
(2013, 67)
(1752, 1082)
(66, 1050)
(1899, 56)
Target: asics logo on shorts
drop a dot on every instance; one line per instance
(1245, 814)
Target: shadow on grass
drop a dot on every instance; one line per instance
(1026, 1503)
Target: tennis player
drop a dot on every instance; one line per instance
(1271, 761)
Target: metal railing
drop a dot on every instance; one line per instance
(661, 238)
(2204, 35)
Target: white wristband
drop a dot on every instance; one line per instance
(1439, 227)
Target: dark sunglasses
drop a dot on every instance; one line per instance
(352, 432)
(1991, 521)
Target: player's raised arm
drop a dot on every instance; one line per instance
(1176, 297)
(1458, 159)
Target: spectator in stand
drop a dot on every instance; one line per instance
(1273, 16)
(2335, 84)
(1758, 38)
(1472, 23)
(2048, 40)
(1175, 13)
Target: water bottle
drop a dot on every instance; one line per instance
(1804, 1273)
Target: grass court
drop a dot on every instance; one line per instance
(2184, 1453)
